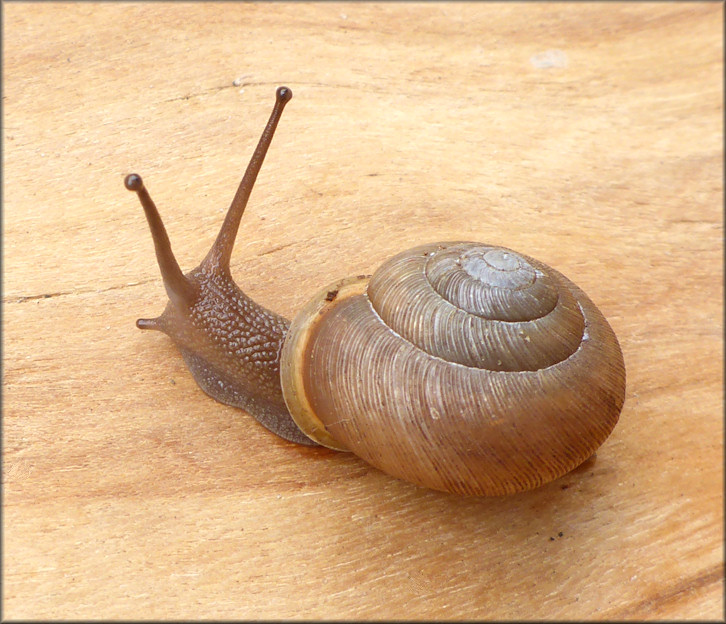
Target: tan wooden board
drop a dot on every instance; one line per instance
(588, 135)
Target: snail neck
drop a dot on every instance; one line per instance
(232, 345)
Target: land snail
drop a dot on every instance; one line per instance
(457, 366)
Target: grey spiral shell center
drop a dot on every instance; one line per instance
(498, 267)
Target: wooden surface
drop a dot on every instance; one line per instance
(587, 135)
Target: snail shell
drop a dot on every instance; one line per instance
(456, 366)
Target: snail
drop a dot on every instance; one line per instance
(457, 366)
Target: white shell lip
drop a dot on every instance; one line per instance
(293, 356)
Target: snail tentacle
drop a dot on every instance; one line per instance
(220, 254)
(178, 287)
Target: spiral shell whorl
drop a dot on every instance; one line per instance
(464, 402)
(484, 307)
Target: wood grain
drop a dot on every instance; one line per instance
(587, 135)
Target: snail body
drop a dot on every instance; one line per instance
(457, 366)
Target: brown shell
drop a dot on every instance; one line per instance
(458, 366)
